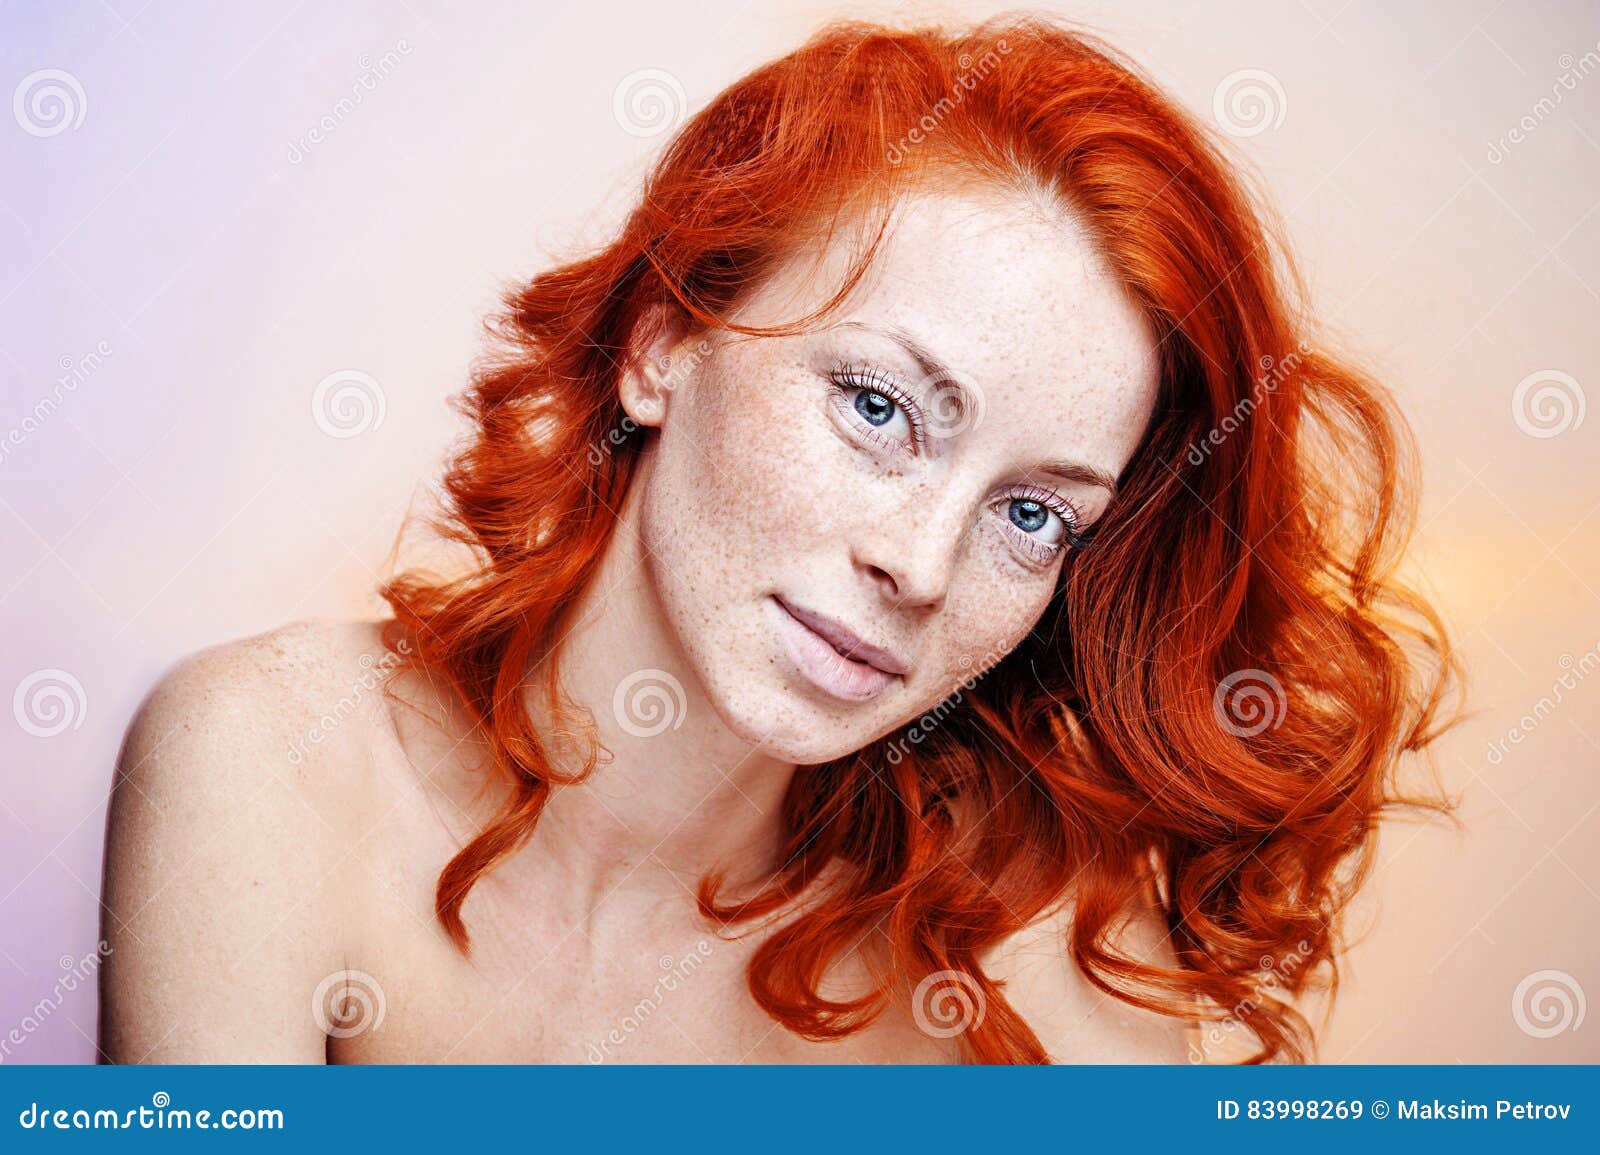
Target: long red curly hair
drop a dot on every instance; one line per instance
(1212, 711)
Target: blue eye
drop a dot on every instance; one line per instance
(874, 407)
(880, 411)
(1042, 523)
(1031, 515)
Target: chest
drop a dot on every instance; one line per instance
(537, 989)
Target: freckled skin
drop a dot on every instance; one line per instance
(761, 477)
(760, 484)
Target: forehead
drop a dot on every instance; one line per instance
(1014, 297)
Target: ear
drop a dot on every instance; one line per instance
(646, 385)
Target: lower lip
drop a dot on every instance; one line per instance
(825, 667)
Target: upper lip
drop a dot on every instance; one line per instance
(841, 637)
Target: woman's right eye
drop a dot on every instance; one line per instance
(876, 408)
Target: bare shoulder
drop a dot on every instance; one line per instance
(236, 794)
(1075, 1020)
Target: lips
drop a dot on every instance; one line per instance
(845, 641)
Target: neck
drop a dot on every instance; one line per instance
(675, 793)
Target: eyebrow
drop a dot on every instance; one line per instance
(932, 366)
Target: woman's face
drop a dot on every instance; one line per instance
(833, 487)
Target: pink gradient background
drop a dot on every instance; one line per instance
(182, 494)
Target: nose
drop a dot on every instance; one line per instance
(911, 554)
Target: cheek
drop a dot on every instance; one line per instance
(736, 484)
(980, 626)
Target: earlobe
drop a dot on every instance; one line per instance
(645, 387)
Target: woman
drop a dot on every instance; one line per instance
(932, 601)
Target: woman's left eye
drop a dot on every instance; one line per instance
(1034, 523)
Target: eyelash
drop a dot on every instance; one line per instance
(875, 380)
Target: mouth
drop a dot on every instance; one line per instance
(833, 658)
